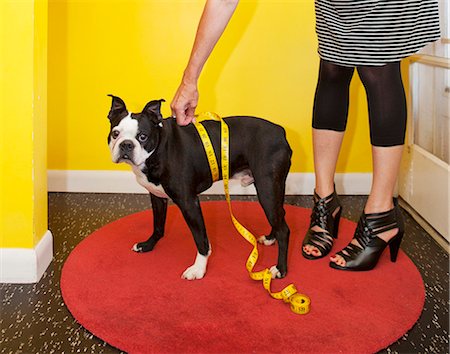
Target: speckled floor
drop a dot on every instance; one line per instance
(34, 318)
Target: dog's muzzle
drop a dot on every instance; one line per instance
(126, 150)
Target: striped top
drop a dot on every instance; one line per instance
(374, 32)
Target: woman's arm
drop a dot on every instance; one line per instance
(215, 17)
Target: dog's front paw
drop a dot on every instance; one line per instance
(198, 269)
(194, 272)
(266, 241)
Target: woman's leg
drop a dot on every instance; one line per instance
(329, 122)
(387, 115)
(326, 146)
(386, 165)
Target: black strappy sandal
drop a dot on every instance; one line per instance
(369, 226)
(322, 216)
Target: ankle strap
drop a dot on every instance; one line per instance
(330, 202)
(371, 225)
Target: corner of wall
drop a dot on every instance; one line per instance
(26, 265)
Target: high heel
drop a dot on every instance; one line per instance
(337, 219)
(394, 246)
(322, 216)
(366, 256)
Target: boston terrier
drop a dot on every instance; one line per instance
(170, 162)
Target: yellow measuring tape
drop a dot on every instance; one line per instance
(299, 303)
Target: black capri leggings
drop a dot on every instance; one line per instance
(385, 97)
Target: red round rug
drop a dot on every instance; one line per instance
(138, 302)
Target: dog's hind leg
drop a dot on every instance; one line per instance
(159, 206)
(271, 188)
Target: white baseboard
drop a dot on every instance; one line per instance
(25, 266)
(81, 181)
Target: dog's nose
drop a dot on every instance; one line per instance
(126, 146)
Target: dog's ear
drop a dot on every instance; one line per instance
(117, 107)
(153, 111)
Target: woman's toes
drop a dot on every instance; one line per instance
(315, 252)
(338, 260)
(311, 250)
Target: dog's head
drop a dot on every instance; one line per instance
(133, 137)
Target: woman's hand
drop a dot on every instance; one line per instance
(184, 103)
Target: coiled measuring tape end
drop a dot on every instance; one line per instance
(300, 303)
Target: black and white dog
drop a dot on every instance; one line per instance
(170, 162)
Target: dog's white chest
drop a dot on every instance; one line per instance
(141, 178)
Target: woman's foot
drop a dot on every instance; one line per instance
(323, 228)
(375, 231)
(385, 236)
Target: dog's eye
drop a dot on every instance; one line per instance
(115, 134)
(142, 137)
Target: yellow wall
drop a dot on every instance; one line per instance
(23, 95)
(265, 64)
